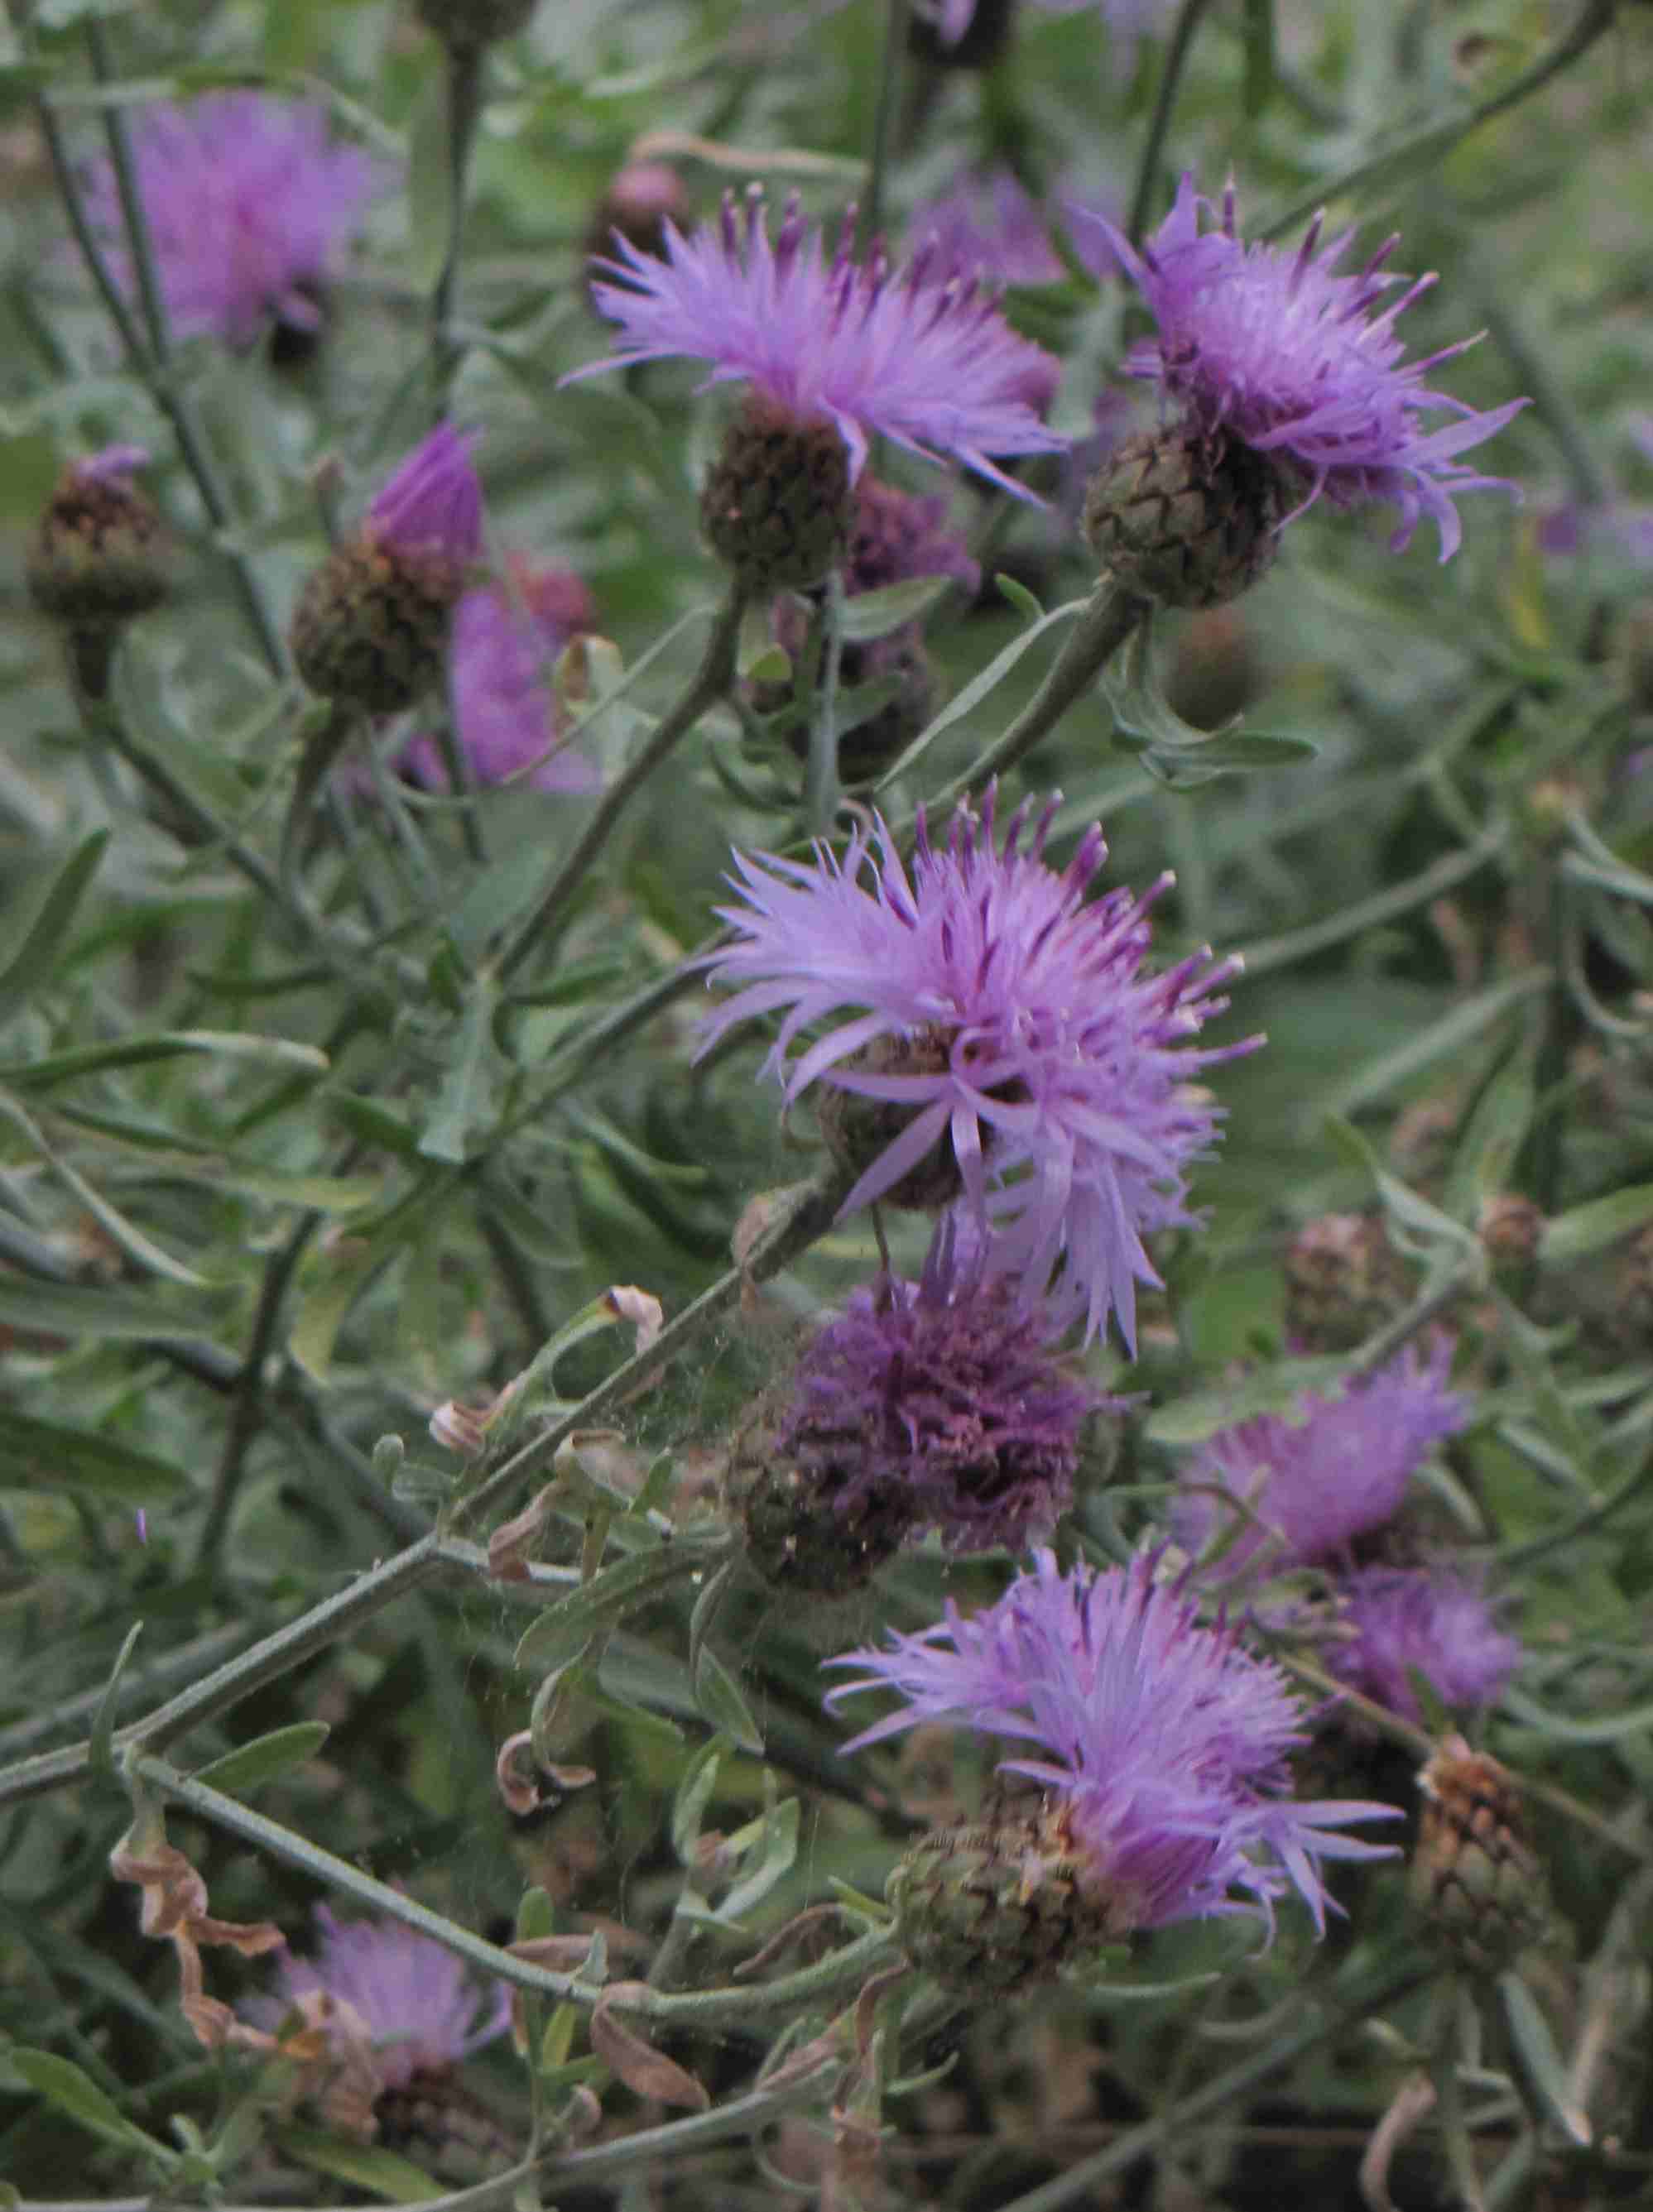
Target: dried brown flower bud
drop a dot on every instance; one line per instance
(1475, 1875)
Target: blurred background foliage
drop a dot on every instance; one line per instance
(277, 1178)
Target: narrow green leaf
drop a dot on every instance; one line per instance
(1540, 2064)
(694, 1794)
(1273, 1389)
(1610, 1727)
(1496, 1130)
(536, 1916)
(1017, 593)
(249, 1764)
(429, 168)
(718, 1695)
(1436, 1041)
(873, 615)
(74, 1310)
(373, 1122)
(135, 1052)
(366, 2166)
(464, 1096)
(33, 963)
(130, 1239)
(976, 690)
(62, 2083)
(99, 1756)
(1586, 1229)
(565, 1628)
(40, 1455)
(773, 1842)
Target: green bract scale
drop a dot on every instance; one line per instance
(1186, 518)
(777, 505)
(992, 1910)
(371, 627)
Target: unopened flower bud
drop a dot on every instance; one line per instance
(982, 41)
(1185, 517)
(777, 503)
(1474, 1873)
(371, 627)
(99, 556)
(468, 25)
(1344, 1279)
(1510, 1228)
(992, 1910)
(642, 198)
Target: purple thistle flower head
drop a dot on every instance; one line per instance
(1338, 1470)
(1166, 1740)
(951, 19)
(989, 220)
(925, 359)
(1431, 1620)
(432, 501)
(109, 465)
(1002, 1026)
(1290, 358)
(504, 642)
(248, 200)
(944, 1393)
(419, 2004)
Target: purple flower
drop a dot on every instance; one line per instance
(1341, 1468)
(1166, 1739)
(944, 1393)
(109, 465)
(1436, 1621)
(416, 2002)
(952, 18)
(1000, 1023)
(248, 200)
(926, 358)
(505, 641)
(432, 503)
(1286, 356)
(987, 220)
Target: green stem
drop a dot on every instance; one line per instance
(715, 677)
(1428, 885)
(1590, 483)
(1176, 55)
(1106, 624)
(149, 362)
(134, 217)
(884, 122)
(1317, 2026)
(464, 79)
(821, 663)
(1442, 138)
(246, 1413)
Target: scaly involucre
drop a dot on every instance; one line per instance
(1428, 1618)
(1337, 1470)
(1059, 1074)
(924, 359)
(421, 2007)
(943, 1393)
(248, 200)
(1167, 1740)
(1292, 360)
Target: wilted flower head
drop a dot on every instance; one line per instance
(1433, 1621)
(924, 359)
(505, 641)
(1166, 1741)
(418, 2005)
(1275, 350)
(248, 200)
(943, 1392)
(1341, 1468)
(991, 1030)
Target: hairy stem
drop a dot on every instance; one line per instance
(465, 76)
(1153, 145)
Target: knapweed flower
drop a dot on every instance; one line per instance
(944, 1394)
(412, 2001)
(371, 627)
(953, 20)
(1341, 1468)
(1275, 351)
(1433, 1621)
(992, 1032)
(100, 556)
(834, 352)
(1165, 1742)
(506, 639)
(248, 200)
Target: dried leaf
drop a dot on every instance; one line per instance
(647, 2071)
